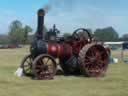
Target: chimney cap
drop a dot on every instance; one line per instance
(41, 12)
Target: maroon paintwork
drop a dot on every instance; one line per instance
(60, 50)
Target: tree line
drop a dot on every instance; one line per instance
(106, 34)
(19, 34)
(109, 34)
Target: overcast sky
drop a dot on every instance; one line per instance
(68, 15)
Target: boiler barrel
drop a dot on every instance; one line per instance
(60, 50)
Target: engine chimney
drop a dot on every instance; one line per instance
(40, 26)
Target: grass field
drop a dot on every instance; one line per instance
(115, 83)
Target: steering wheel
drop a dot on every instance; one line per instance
(82, 30)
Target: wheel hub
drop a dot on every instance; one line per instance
(93, 59)
(45, 67)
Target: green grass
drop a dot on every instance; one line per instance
(115, 83)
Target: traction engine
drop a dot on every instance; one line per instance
(77, 54)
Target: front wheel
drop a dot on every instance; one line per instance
(26, 64)
(44, 67)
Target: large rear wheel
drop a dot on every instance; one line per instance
(94, 60)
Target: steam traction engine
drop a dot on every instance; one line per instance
(77, 54)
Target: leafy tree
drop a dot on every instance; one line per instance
(106, 34)
(124, 37)
(27, 29)
(4, 39)
(15, 25)
(16, 32)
